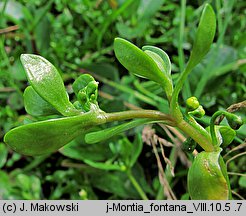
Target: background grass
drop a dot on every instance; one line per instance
(77, 37)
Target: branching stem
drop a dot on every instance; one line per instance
(212, 127)
(131, 114)
(174, 106)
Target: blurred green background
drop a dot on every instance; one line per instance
(77, 37)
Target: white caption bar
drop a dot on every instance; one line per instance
(124, 207)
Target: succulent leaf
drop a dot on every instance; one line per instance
(204, 36)
(206, 179)
(35, 105)
(48, 136)
(47, 82)
(166, 64)
(141, 64)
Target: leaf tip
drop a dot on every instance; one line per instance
(24, 57)
(207, 5)
(118, 39)
(27, 58)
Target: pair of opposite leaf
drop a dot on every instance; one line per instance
(48, 91)
(152, 63)
(47, 96)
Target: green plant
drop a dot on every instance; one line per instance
(66, 121)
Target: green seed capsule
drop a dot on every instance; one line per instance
(78, 105)
(91, 89)
(82, 97)
(234, 121)
(207, 178)
(199, 112)
(192, 103)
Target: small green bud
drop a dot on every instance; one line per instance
(83, 100)
(123, 168)
(77, 105)
(192, 103)
(86, 90)
(93, 97)
(199, 112)
(82, 97)
(91, 88)
(234, 121)
(83, 194)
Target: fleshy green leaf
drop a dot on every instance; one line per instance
(139, 63)
(204, 36)
(166, 63)
(136, 61)
(206, 178)
(47, 82)
(48, 136)
(101, 135)
(81, 82)
(35, 105)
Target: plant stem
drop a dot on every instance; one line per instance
(150, 114)
(136, 185)
(212, 121)
(197, 133)
(212, 128)
(174, 106)
(193, 129)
